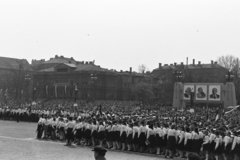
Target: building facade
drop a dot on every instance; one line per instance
(60, 77)
(15, 78)
(191, 73)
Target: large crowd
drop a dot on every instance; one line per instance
(129, 125)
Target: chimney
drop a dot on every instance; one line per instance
(130, 69)
(199, 62)
(165, 64)
(86, 62)
(182, 63)
(160, 65)
(121, 71)
(62, 57)
(82, 62)
(215, 62)
(56, 56)
(211, 61)
(71, 58)
(175, 64)
(193, 62)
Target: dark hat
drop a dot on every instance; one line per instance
(99, 149)
(193, 156)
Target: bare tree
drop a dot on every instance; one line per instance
(142, 68)
(230, 62)
(17, 71)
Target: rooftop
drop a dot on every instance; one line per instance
(199, 65)
(13, 63)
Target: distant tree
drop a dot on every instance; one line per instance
(229, 62)
(17, 72)
(232, 63)
(142, 68)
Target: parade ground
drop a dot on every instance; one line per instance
(18, 141)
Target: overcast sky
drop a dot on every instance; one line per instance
(119, 34)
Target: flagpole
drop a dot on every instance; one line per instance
(56, 91)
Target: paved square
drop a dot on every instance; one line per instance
(17, 141)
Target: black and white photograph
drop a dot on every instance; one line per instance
(214, 92)
(119, 80)
(188, 89)
(201, 92)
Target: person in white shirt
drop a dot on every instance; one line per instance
(123, 134)
(158, 138)
(181, 136)
(188, 141)
(69, 136)
(151, 138)
(40, 128)
(94, 132)
(101, 132)
(135, 136)
(236, 145)
(129, 129)
(54, 127)
(45, 127)
(114, 134)
(205, 145)
(171, 141)
(218, 145)
(109, 134)
(142, 136)
(227, 144)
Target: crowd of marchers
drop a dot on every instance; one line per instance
(212, 133)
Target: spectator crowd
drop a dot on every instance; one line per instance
(210, 132)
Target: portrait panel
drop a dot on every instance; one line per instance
(201, 92)
(187, 89)
(214, 93)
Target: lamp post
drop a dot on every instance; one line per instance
(93, 77)
(75, 92)
(178, 75)
(27, 79)
(229, 76)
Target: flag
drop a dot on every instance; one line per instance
(56, 91)
(217, 115)
(46, 89)
(191, 98)
(207, 113)
(34, 92)
(234, 108)
(76, 93)
(100, 110)
(231, 107)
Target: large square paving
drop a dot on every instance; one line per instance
(17, 141)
